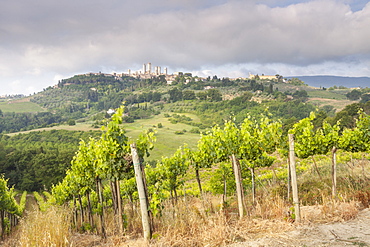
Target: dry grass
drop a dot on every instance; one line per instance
(192, 222)
(50, 228)
(269, 207)
(340, 211)
(205, 223)
(331, 211)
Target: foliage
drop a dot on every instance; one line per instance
(365, 98)
(174, 169)
(357, 94)
(310, 142)
(107, 159)
(296, 82)
(13, 122)
(221, 177)
(250, 142)
(300, 95)
(22, 202)
(347, 117)
(37, 160)
(41, 201)
(354, 95)
(71, 122)
(358, 138)
(7, 200)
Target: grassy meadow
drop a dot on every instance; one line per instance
(85, 126)
(337, 104)
(335, 98)
(326, 94)
(167, 141)
(20, 106)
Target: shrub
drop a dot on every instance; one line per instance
(71, 122)
(128, 119)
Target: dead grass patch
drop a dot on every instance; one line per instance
(330, 211)
(196, 222)
(190, 222)
(50, 228)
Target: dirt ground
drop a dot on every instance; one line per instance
(355, 232)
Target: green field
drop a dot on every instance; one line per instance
(167, 141)
(335, 98)
(326, 94)
(19, 106)
(86, 126)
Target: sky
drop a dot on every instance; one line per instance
(43, 41)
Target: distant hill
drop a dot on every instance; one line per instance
(329, 81)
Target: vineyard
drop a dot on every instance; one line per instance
(10, 210)
(236, 174)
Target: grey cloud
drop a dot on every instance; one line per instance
(65, 37)
(303, 33)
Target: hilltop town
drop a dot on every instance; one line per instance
(148, 73)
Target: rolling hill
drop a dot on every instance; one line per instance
(329, 81)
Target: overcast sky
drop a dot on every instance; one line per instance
(42, 41)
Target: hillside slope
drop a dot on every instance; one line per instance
(330, 81)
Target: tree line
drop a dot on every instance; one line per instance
(37, 160)
(359, 94)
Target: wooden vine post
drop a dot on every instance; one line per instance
(119, 202)
(289, 177)
(99, 188)
(334, 173)
(294, 178)
(253, 185)
(142, 195)
(239, 187)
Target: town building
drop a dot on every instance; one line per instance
(263, 77)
